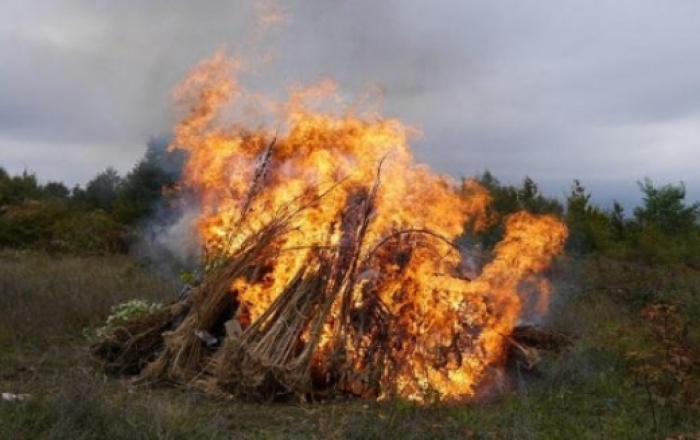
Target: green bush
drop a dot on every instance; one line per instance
(90, 233)
(31, 223)
(126, 312)
(53, 226)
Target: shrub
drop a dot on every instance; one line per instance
(126, 312)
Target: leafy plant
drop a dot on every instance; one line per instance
(126, 312)
(665, 209)
(667, 366)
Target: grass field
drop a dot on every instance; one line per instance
(593, 391)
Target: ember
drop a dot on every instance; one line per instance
(332, 265)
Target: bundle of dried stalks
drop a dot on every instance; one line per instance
(274, 354)
(128, 348)
(541, 338)
(185, 358)
(527, 342)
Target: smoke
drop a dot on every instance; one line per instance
(168, 241)
(179, 238)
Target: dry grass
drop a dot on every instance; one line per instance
(46, 300)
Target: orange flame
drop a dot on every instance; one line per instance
(322, 148)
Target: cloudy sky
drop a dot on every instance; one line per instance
(606, 92)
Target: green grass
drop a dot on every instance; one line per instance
(587, 392)
(45, 300)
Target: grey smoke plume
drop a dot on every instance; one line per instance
(180, 239)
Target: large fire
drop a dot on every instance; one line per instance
(352, 203)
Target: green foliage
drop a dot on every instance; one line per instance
(97, 219)
(82, 406)
(664, 209)
(618, 223)
(47, 217)
(590, 228)
(101, 192)
(91, 232)
(650, 244)
(52, 225)
(55, 190)
(189, 276)
(533, 201)
(665, 228)
(509, 199)
(124, 313)
(666, 366)
(144, 187)
(30, 224)
(46, 300)
(18, 189)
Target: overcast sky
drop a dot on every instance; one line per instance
(604, 91)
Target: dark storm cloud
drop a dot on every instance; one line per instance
(606, 92)
(86, 83)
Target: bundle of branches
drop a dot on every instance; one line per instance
(527, 342)
(541, 338)
(184, 357)
(128, 348)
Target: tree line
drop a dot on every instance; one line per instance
(104, 216)
(664, 227)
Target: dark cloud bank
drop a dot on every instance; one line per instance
(606, 92)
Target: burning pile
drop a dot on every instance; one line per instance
(331, 256)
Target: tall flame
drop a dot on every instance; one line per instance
(448, 330)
